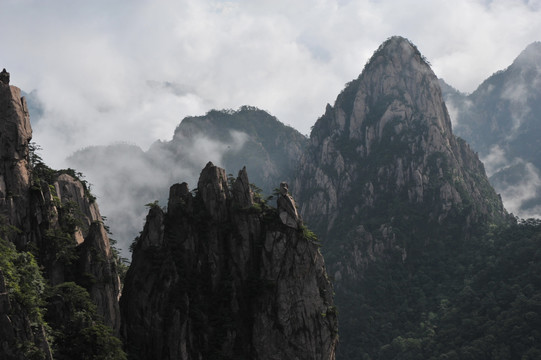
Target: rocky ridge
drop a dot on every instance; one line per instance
(385, 180)
(49, 216)
(387, 147)
(500, 120)
(220, 275)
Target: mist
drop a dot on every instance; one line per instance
(124, 178)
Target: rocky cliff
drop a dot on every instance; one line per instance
(48, 216)
(221, 275)
(386, 153)
(385, 178)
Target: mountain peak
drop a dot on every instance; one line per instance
(396, 86)
(530, 56)
(385, 178)
(392, 120)
(397, 45)
(399, 51)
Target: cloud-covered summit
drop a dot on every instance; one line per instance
(501, 121)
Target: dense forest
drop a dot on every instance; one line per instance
(480, 299)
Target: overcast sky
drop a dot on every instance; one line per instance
(129, 71)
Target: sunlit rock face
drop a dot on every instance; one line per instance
(49, 214)
(219, 274)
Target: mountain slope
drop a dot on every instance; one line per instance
(385, 181)
(501, 121)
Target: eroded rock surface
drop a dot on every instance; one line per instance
(385, 180)
(50, 216)
(219, 275)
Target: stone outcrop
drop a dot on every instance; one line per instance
(287, 209)
(219, 275)
(4, 77)
(51, 215)
(15, 135)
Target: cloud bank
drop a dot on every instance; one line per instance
(130, 70)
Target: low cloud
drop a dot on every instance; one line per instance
(522, 195)
(495, 160)
(517, 181)
(124, 178)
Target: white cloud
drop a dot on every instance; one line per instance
(124, 178)
(516, 194)
(92, 61)
(517, 181)
(495, 160)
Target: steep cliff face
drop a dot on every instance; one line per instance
(384, 178)
(15, 135)
(385, 153)
(220, 275)
(49, 216)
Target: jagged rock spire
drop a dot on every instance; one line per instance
(4, 77)
(228, 280)
(287, 209)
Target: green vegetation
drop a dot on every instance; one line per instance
(65, 312)
(78, 331)
(478, 299)
(309, 235)
(23, 279)
(43, 175)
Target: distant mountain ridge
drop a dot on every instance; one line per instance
(246, 137)
(501, 121)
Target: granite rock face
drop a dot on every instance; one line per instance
(287, 209)
(15, 135)
(387, 147)
(384, 178)
(50, 214)
(218, 274)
